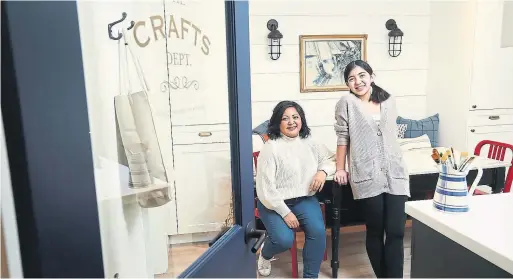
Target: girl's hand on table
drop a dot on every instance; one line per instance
(341, 177)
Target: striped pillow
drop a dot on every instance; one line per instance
(409, 144)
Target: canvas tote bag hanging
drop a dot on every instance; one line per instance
(139, 137)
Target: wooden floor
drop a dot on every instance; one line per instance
(352, 256)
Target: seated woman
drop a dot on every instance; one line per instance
(291, 169)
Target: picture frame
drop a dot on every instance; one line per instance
(323, 59)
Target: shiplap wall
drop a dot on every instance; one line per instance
(404, 76)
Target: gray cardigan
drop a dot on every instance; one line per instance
(375, 160)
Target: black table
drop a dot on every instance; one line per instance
(341, 202)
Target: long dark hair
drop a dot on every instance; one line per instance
(378, 94)
(273, 130)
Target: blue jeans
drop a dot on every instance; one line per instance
(281, 237)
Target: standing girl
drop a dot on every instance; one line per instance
(367, 136)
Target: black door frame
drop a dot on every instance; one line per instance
(46, 124)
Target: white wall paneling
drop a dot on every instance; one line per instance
(318, 112)
(413, 57)
(417, 27)
(339, 7)
(264, 87)
(325, 135)
(322, 112)
(405, 76)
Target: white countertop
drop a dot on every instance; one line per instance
(486, 229)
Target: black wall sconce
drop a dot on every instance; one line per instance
(274, 38)
(395, 38)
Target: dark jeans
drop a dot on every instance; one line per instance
(281, 237)
(384, 216)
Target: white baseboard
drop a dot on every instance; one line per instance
(191, 238)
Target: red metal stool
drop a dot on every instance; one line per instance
(497, 151)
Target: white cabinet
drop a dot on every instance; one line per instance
(496, 125)
(492, 67)
(198, 109)
(469, 73)
(203, 179)
(501, 133)
(197, 62)
(507, 24)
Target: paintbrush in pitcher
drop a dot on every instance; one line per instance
(455, 160)
(463, 158)
(452, 162)
(436, 156)
(444, 163)
(466, 164)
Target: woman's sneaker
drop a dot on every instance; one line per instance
(263, 265)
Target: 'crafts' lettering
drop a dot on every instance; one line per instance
(144, 33)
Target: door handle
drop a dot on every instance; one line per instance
(494, 117)
(221, 233)
(252, 233)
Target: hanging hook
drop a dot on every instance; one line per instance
(132, 23)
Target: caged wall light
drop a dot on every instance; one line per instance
(395, 38)
(274, 39)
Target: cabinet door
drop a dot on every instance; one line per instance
(492, 67)
(196, 61)
(203, 186)
(502, 133)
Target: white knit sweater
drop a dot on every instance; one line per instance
(285, 169)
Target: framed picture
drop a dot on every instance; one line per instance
(323, 59)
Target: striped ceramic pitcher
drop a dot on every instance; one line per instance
(452, 192)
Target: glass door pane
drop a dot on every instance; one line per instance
(158, 112)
